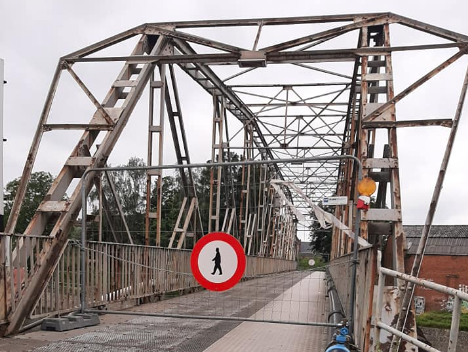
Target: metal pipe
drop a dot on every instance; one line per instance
(357, 228)
(427, 284)
(407, 338)
(233, 163)
(165, 167)
(456, 312)
(378, 304)
(205, 317)
(336, 307)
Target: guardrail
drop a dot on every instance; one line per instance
(458, 296)
(366, 269)
(114, 273)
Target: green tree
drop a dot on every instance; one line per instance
(231, 187)
(172, 198)
(35, 192)
(130, 188)
(320, 238)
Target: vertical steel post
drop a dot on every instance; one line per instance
(452, 347)
(149, 158)
(357, 227)
(378, 303)
(83, 245)
(162, 106)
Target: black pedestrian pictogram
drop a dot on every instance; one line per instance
(217, 260)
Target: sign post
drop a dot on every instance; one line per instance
(218, 261)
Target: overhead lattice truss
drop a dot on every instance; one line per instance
(278, 88)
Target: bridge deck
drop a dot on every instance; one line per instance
(301, 299)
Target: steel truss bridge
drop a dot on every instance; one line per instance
(297, 93)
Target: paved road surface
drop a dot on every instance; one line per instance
(290, 297)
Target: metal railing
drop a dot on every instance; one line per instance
(458, 296)
(115, 272)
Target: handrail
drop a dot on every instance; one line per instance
(456, 312)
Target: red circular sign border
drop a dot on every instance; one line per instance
(234, 243)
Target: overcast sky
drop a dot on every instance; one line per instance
(34, 34)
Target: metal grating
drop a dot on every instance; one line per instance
(148, 334)
(288, 297)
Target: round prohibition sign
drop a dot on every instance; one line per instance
(218, 261)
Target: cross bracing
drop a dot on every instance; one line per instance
(317, 86)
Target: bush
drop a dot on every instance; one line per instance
(440, 320)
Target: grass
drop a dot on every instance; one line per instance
(440, 320)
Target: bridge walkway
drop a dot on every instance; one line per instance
(288, 298)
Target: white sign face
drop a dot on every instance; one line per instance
(217, 261)
(335, 201)
(311, 262)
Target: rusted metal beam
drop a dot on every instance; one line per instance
(150, 30)
(429, 28)
(27, 170)
(414, 86)
(269, 21)
(406, 301)
(234, 104)
(90, 95)
(312, 84)
(50, 255)
(106, 43)
(329, 55)
(334, 32)
(407, 123)
(76, 126)
(182, 151)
